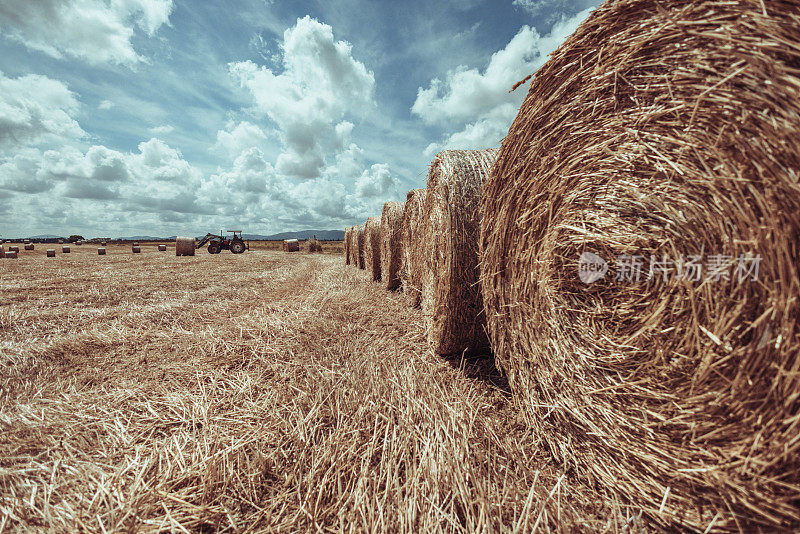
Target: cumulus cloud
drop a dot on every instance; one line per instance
(237, 137)
(162, 130)
(98, 31)
(321, 83)
(377, 181)
(35, 109)
(478, 101)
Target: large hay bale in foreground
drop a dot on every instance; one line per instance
(291, 245)
(372, 247)
(659, 131)
(348, 243)
(359, 248)
(451, 298)
(185, 246)
(413, 247)
(391, 244)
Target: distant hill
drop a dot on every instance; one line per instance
(324, 235)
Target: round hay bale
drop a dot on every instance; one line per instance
(664, 133)
(13, 248)
(29, 246)
(136, 250)
(359, 248)
(51, 253)
(162, 248)
(391, 244)
(26, 242)
(101, 251)
(291, 245)
(11, 254)
(412, 246)
(312, 245)
(65, 249)
(451, 298)
(185, 246)
(60, 241)
(372, 247)
(348, 243)
(103, 243)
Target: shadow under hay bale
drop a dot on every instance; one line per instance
(659, 131)
(185, 246)
(413, 247)
(451, 298)
(291, 245)
(391, 244)
(359, 248)
(372, 247)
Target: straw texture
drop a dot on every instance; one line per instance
(372, 247)
(451, 298)
(391, 244)
(411, 271)
(359, 249)
(659, 128)
(348, 244)
(184, 246)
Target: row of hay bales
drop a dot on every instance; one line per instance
(658, 128)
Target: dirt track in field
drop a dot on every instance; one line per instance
(268, 391)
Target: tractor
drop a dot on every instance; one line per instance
(217, 243)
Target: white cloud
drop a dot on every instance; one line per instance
(479, 102)
(105, 104)
(320, 85)
(98, 31)
(162, 130)
(238, 137)
(376, 182)
(36, 109)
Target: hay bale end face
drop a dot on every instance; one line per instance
(451, 298)
(28, 246)
(677, 394)
(65, 249)
(372, 247)
(359, 248)
(137, 250)
(185, 246)
(51, 253)
(291, 245)
(101, 251)
(412, 246)
(162, 248)
(391, 244)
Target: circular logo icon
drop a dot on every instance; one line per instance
(591, 267)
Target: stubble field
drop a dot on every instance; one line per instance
(261, 392)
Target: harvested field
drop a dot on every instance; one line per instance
(661, 132)
(264, 392)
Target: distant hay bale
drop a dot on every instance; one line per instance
(13, 249)
(661, 138)
(372, 247)
(291, 245)
(60, 241)
(312, 245)
(391, 244)
(26, 242)
(411, 270)
(359, 248)
(12, 254)
(184, 246)
(451, 298)
(103, 243)
(348, 244)
(162, 248)
(65, 249)
(137, 250)
(28, 246)
(101, 251)
(51, 253)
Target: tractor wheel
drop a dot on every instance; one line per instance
(237, 247)
(214, 248)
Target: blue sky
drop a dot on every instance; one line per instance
(123, 117)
